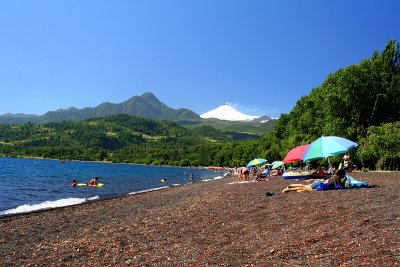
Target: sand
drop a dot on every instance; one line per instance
(216, 223)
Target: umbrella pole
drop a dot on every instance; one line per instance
(329, 165)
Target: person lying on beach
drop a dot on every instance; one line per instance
(338, 179)
(93, 181)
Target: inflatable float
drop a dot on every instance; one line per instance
(98, 185)
(295, 175)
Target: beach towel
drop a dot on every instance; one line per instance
(353, 183)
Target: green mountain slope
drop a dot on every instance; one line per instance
(117, 138)
(235, 129)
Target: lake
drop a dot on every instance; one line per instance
(34, 184)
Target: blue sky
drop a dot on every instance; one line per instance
(261, 56)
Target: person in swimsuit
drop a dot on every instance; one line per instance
(339, 178)
(93, 182)
(244, 174)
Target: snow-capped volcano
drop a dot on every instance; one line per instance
(228, 113)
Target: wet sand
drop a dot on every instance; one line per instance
(216, 224)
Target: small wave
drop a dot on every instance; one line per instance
(46, 205)
(147, 190)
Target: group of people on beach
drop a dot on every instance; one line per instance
(93, 182)
(258, 173)
(320, 179)
(339, 178)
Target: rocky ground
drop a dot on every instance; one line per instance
(216, 224)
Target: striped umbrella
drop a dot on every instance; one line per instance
(256, 161)
(295, 154)
(327, 146)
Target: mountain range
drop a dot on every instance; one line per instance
(145, 106)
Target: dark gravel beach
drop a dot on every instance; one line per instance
(216, 224)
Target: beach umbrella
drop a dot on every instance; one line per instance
(295, 154)
(277, 164)
(256, 162)
(327, 146)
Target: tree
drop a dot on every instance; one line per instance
(381, 147)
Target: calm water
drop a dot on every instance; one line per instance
(32, 184)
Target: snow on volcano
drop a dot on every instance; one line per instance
(228, 113)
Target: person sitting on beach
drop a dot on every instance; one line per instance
(266, 172)
(264, 175)
(338, 179)
(317, 173)
(275, 172)
(332, 170)
(93, 182)
(74, 183)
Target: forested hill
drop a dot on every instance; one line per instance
(117, 138)
(146, 106)
(360, 102)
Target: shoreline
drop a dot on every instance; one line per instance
(215, 168)
(216, 223)
(38, 211)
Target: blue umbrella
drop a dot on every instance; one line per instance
(256, 162)
(327, 146)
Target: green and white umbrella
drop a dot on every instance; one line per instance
(255, 162)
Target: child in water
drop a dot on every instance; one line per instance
(74, 183)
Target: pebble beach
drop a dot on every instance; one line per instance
(216, 223)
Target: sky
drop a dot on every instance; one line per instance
(261, 56)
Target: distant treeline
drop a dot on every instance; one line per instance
(360, 102)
